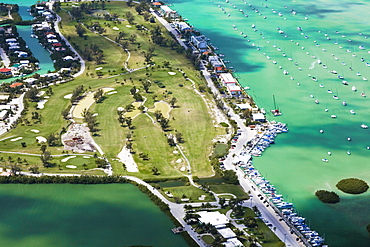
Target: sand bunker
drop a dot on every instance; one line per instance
(86, 102)
(126, 158)
(163, 107)
(112, 92)
(87, 157)
(115, 28)
(68, 96)
(35, 131)
(16, 139)
(66, 159)
(183, 168)
(41, 139)
(179, 161)
(128, 26)
(41, 93)
(71, 166)
(120, 109)
(99, 68)
(41, 104)
(171, 73)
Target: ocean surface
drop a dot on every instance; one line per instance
(314, 42)
(45, 62)
(82, 215)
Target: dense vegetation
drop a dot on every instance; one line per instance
(352, 185)
(327, 196)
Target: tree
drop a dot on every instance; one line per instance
(129, 122)
(65, 113)
(230, 177)
(148, 56)
(132, 38)
(155, 171)
(34, 169)
(46, 158)
(327, 196)
(173, 101)
(98, 95)
(43, 148)
(158, 115)
(52, 139)
(133, 90)
(80, 30)
(179, 137)
(138, 97)
(32, 94)
(15, 168)
(250, 222)
(129, 17)
(146, 85)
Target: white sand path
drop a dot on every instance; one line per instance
(69, 157)
(126, 158)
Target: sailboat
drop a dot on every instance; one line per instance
(275, 111)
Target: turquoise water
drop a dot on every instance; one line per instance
(82, 215)
(294, 165)
(46, 64)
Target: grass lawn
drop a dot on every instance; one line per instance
(189, 192)
(236, 190)
(221, 149)
(208, 239)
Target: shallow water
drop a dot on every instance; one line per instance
(82, 215)
(294, 165)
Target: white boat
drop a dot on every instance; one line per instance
(274, 62)
(335, 97)
(325, 160)
(363, 95)
(333, 116)
(344, 103)
(334, 72)
(321, 85)
(349, 139)
(363, 78)
(317, 102)
(311, 95)
(349, 152)
(285, 72)
(329, 153)
(344, 82)
(321, 131)
(354, 89)
(358, 73)
(329, 91)
(364, 126)
(326, 110)
(352, 112)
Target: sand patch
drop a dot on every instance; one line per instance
(163, 107)
(171, 73)
(71, 166)
(68, 96)
(41, 104)
(87, 157)
(120, 109)
(183, 168)
(16, 139)
(41, 139)
(128, 26)
(41, 93)
(112, 92)
(99, 68)
(35, 131)
(115, 28)
(179, 161)
(69, 157)
(126, 158)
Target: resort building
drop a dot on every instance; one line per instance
(228, 79)
(259, 117)
(183, 26)
(215, 218)
(234, 90)
(3, 114)
(167, 12)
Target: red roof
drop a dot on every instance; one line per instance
(17, 84)
(5, 70)
(57, 44)
(157, 3)
(49, 33)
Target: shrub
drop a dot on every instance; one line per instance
(327, 196)
(223, 124)
(352, 185)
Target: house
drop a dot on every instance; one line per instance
(16, 84)
(167, 11)
(227, 79)
(216, 64)
(199, 42)
(244, 106)
(66, 58)
(234, 89)
(233, 242)
(24, 62)
(183, 27)
(6, 71)
(226, 233)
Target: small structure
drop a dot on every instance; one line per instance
(183, 27)
(244, 106)
(233, 242)
(234, 90)
(16, 84)
(216, 64)
(227, 79)
(227, 233)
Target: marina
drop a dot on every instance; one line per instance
(329, 51)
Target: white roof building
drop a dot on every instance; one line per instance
(244, 106)
(233, 242)
(228, 78)
(216, 219)
(226, 233)
(258, 117)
